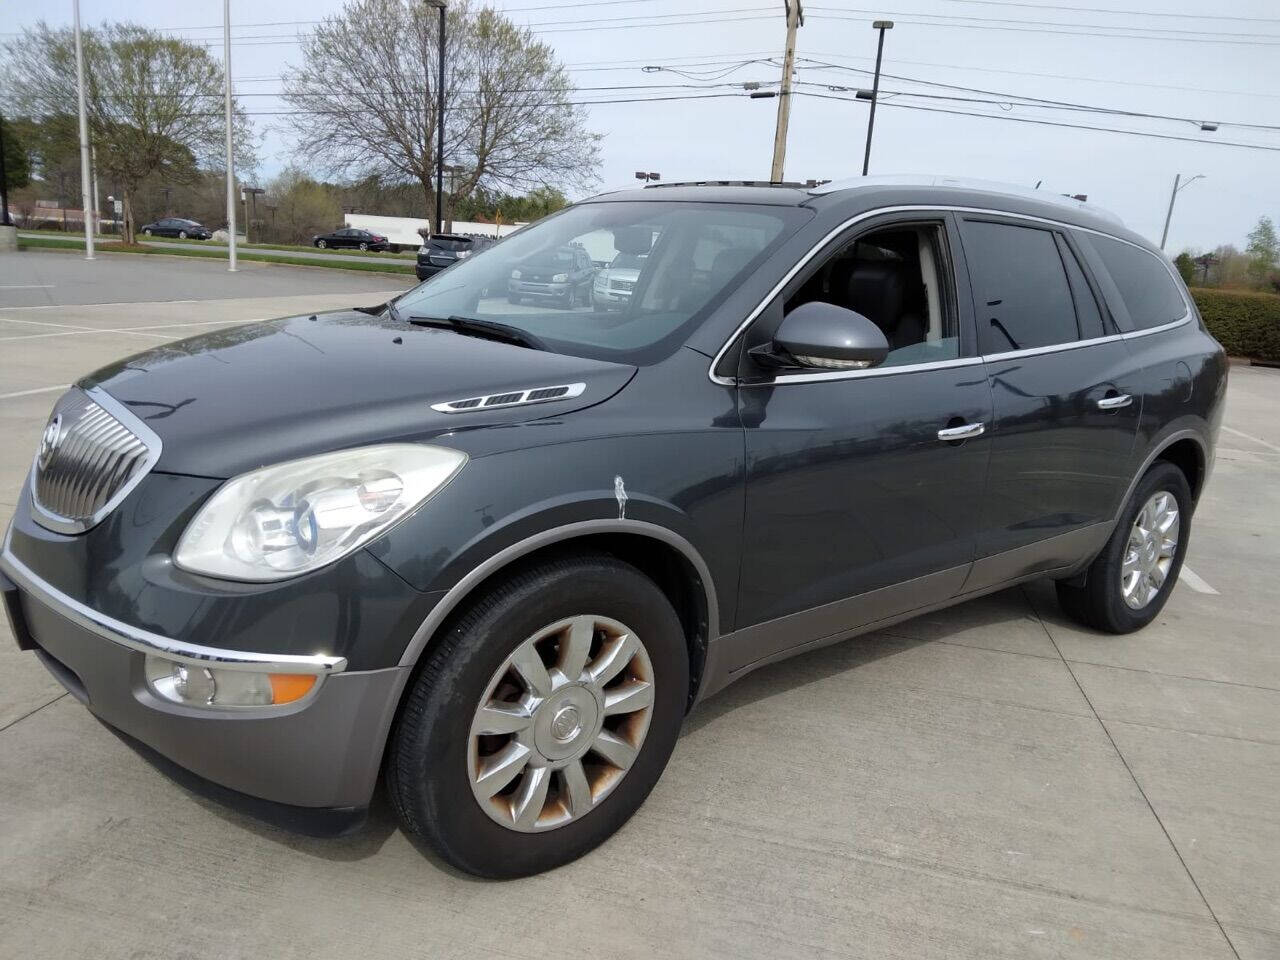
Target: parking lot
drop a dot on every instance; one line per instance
(985, 781)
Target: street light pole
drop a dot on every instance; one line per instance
(231, 164)
(882, 26)
(84, 141)
(439, 224)
(4, 180)
(1173, 195)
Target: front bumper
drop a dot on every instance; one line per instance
(324, 751)
(531, 288)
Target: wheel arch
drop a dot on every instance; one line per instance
(667, 558)
(1186, 449)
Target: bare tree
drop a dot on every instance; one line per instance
(365, 100)
(154, 102)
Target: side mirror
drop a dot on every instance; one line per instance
(818, 334)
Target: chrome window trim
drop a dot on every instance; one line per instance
(822, 244)
(145, 641)
(451, 406)
(131, 421)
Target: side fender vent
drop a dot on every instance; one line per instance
(512, 398)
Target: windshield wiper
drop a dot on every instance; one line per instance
(482, 328)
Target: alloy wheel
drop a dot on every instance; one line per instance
(560, 723)
(1150, 552)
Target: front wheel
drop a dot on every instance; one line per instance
(540, 722)
(182, 234)
(364, 246)
(146, 233)
(321, 244)
(1129, 582)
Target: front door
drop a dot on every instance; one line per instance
(1066, 396)
(857, 509)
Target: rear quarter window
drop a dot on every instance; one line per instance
(1148, 290)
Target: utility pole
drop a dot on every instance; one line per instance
(231, 172)
(882, 26)
(795, 19)
(4, 181)
(84, 142)
(439, 222)
(1173, 195)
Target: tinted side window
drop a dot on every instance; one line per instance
(1087, 312)
(1020, 287)
(1145, 285)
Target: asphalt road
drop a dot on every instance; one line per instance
(36, 278)
(989, 781)
(105, 244)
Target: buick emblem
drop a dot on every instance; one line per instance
(49, 440)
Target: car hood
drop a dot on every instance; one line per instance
(233, 400)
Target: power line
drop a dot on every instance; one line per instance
(1054, 23)
(1115, 12)
(1042, 76)
(1052, 123)
(995, 25)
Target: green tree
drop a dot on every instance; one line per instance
(303, 207)
(1263, 251)
(154, 101)
(1186, 266)
(17, 161)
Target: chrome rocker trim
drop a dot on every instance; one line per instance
(146, 642)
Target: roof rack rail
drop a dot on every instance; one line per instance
(793, 184)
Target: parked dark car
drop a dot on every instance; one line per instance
(352, 238)
(177, 227)
(564, 275)
(495, 555)
(444, 250)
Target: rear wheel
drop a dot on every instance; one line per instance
(540, 722)
(1129, 582)
(363, 245)
(321, 244)
(182, 234)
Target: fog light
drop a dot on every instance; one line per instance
(194, 685)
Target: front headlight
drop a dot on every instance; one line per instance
(560, 278)
(294, 517)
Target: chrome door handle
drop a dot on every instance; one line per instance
(964, 432)
(1116, 402)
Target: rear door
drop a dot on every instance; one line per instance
(1066, 396)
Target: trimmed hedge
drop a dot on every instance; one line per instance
(1246, 324)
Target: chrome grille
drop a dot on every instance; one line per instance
(89, 460)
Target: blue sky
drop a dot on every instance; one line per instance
(1224, 68)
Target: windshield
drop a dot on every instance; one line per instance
(542, 279)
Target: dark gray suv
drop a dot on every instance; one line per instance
(495, 552)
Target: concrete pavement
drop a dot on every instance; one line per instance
(987, 781)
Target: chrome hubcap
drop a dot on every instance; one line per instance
(560, 723)
(1148, 556)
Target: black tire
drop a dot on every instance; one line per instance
(1099, 603)
(320, 244)
(426, 774)
(182, 234)
(364, 246)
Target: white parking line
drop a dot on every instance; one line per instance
(26, 286)
(1194, 581)
(28, 393)
(1249, 436)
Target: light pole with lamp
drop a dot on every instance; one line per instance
(1172, 197)
(641, 175)
(882, 26)
(439, 222)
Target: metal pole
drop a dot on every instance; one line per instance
(231, 173)
(882, 26)
(4, 180)
(1169, 216)
(784, 94)
(84, 141)
(97, 203)
(440, 132)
